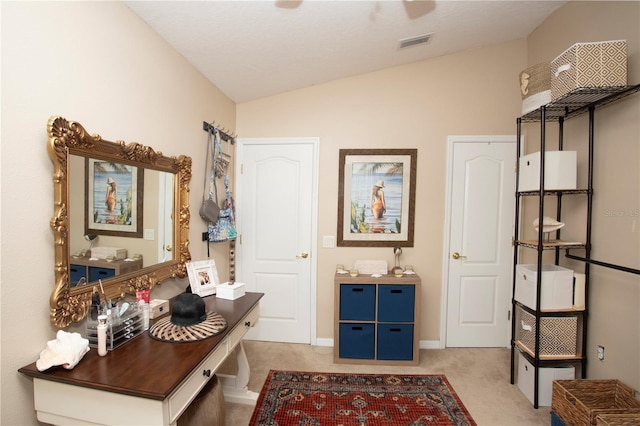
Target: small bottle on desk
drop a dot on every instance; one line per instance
(102, 334)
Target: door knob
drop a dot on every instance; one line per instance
(168, 248)
(303, 255)
(457, 256)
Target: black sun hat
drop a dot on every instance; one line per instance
(189, 321)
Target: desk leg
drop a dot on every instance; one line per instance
(235, 387)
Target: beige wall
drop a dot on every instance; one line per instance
(614, 319)
(412, 106)
(418, 105)
(99, 64)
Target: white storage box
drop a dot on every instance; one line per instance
(600, 64)
(558, 335)
(535, 87)
(546, 376)
(556, 286)
(560, 171)
(158, 307)
(104, 252)
(230, 292)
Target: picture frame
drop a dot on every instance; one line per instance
(376, 197)
(203, 277)
(113, 199)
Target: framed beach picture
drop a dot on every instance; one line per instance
(203, 277)
(376, 197)
(113, 198)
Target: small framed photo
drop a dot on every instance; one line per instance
(203, 277)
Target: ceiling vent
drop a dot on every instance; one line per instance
(414, 41)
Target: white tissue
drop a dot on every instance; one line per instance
(66, 350)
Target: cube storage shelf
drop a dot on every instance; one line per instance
(377, 320)
(94, 270)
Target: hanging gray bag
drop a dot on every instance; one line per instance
(209, 210)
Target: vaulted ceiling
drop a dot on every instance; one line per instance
(253, 49)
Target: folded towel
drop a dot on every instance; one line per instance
(66, 350)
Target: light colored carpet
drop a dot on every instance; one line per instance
(479, 376)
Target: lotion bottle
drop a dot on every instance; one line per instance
(145, 313)
(102, 335)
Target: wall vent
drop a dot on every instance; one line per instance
(414, 41)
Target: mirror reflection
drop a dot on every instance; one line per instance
(103, 228)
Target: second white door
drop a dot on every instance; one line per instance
(481, 213)
(276, 194)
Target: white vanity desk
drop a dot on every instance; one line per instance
(146, 381)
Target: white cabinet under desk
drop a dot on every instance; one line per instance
(146, 381)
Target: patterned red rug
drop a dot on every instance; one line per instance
(302, 398)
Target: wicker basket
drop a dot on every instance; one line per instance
(535, 86)
(618, 419)
(579, 402)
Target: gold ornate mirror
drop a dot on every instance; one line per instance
(110, 223)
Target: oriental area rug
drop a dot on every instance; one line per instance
(304, 398)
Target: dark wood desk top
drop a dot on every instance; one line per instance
(146, 367)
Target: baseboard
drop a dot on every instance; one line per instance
(429, 344)
(324, 342)
(424, 344)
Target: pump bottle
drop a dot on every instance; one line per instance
(102, 335)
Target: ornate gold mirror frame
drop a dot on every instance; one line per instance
(68, 304)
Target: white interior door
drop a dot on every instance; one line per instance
(165, 217)
(276, 219)
(481, 185)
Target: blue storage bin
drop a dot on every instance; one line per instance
(357, 340)
(396, 303)
(96, 274)
(395, 342)
(555, 420)
(76, 272)
(358, 302)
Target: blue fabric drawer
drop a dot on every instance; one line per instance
(357, 341)
(96, 274)
(76, 272)
(555, 420)
(396, 303)
(395, 342)
(358, 302)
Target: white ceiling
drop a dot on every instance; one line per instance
(252, 49)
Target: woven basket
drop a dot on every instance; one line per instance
(535, 87)
(535, 79)
(579, 402)
(618, 419)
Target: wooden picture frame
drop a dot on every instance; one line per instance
(113, 199)
(376, 197)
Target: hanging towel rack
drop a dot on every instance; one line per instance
(604, 264)
(224, 135)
